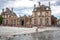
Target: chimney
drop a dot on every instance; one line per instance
(7, 9)
(49, 4)
(2, 10)
(12, 9)
(39, 4)
(34, 5)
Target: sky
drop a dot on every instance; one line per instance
(25, 7)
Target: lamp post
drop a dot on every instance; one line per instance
(37, 33)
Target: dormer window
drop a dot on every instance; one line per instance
(47, 8)
(35, 9)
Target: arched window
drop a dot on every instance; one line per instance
(47, 21)
(46, 13)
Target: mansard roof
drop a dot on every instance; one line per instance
(41, 7)
(9, 12)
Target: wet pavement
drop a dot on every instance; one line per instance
(46, 35)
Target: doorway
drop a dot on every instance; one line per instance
(22, 22)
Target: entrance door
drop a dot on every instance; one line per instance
(22, 22)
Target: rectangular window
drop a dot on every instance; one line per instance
(14, 21)
(40, 21)
(46, 14)
(6, 21)
(47, 21)
(41, 14)
(35, 21)
(11, 21)
(35, 14)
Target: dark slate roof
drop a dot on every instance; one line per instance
(8, 13)
(42, 7)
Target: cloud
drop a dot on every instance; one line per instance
(55, 7)
(24, 11)
(19, 3)
(22, 7)
(55, 10)
(57, 3)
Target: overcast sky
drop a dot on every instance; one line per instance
(22, 7)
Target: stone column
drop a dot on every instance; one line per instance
(24, 22)
(30, 22)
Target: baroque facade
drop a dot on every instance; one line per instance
(10, 19)
(41, 15)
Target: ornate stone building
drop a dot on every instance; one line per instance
(41, 15)
(10, 19)
(25, 21)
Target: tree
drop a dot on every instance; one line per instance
(1, 19)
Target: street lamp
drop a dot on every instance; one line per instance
(37, 33)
